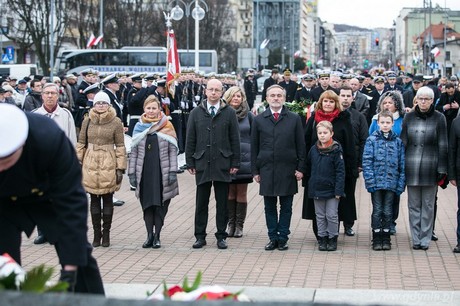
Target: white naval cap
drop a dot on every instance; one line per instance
(14, 129)
(101, 97)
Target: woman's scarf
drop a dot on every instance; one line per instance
(242, 110)
(320, 115)
(426, 114)
(161, 126)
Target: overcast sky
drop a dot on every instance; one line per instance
(371, 13)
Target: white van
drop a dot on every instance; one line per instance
(18, 70)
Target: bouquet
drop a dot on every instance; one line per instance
(13, 277)
(196, 292)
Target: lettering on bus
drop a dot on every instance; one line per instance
(128, 68)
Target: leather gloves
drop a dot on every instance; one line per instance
(119, 176)
(172, 177)
(69, 277)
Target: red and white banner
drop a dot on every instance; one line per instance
(93, 41)
(435, 51)
(173, 58)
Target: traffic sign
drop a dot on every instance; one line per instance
(5, 58)
(10, 52)
(264, 53)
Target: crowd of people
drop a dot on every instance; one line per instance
(398, 130)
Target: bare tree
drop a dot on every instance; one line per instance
(84, 20)
(30, 27)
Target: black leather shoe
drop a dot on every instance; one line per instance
(156, 242)
(457, 249)
(282, 246)
(199, 244)
(349, 231)
(416, 247)
(118, 203)
(424, 247)
(434, 237)
(40, 240)
(180, 170)
(222, 244)
(271, 245)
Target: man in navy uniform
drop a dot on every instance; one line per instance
(40, 184)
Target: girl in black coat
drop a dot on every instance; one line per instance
(329, 108)
(326, 184)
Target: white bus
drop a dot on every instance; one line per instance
(18, 70)
(133, 59)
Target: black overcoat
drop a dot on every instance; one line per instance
(277, 151)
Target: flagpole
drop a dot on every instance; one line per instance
(101, 20)
(168, 30)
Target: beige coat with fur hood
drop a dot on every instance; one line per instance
(105, 152)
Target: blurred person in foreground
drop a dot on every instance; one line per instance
(40, 184)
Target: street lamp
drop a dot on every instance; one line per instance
(198, 13)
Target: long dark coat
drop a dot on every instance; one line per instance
(343, 134)
(213, 143)
(278, 150)
(454, 151)
(426, 147)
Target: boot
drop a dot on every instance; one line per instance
(376, 241)
(386, 241)
(41, 239)
(95, 209)
(241, 210)
(332, 244)
(231, 207)
(156, 241)
(96, 220)
(149, 242)
(322, 243)
(106, 229)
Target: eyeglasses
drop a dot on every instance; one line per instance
(52, 93)
(424, 99)
(100, 103)
(214, 89)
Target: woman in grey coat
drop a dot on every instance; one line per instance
(424, 134)
(237, 194)
(153, 167)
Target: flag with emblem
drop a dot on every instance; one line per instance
(173, 64)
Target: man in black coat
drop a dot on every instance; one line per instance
(409, 95)
(40, 184)
(289, 86)
(272, 80)
(278, 162)
(250, 89)
(111, 88)
(212, 153)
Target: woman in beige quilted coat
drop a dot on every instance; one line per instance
(153, 167)
(101, 151)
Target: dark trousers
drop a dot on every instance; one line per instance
(382, 209)
(203, 192)
(395, 209)
(88, 277)
(458, 214)
(278, 228)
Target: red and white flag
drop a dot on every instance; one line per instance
(173, 58)
(435, 51)
(91, 41)
(98, 39)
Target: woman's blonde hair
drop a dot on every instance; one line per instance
(152, 99)
(325, 124)
(330, 95)
(228, 95)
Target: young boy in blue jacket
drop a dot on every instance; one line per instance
(383, 170)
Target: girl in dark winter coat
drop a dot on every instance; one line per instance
(326, 184)
(238, 188)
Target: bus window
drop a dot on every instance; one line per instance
(143, 58)
(187, 59)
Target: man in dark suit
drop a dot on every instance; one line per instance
(379, 83)
(278, 162)
(250, 88)
(212, 153)
(360, 100)
(323, 80)
(40, 185)
(111, 88)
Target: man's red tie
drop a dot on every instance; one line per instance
(276, 115)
